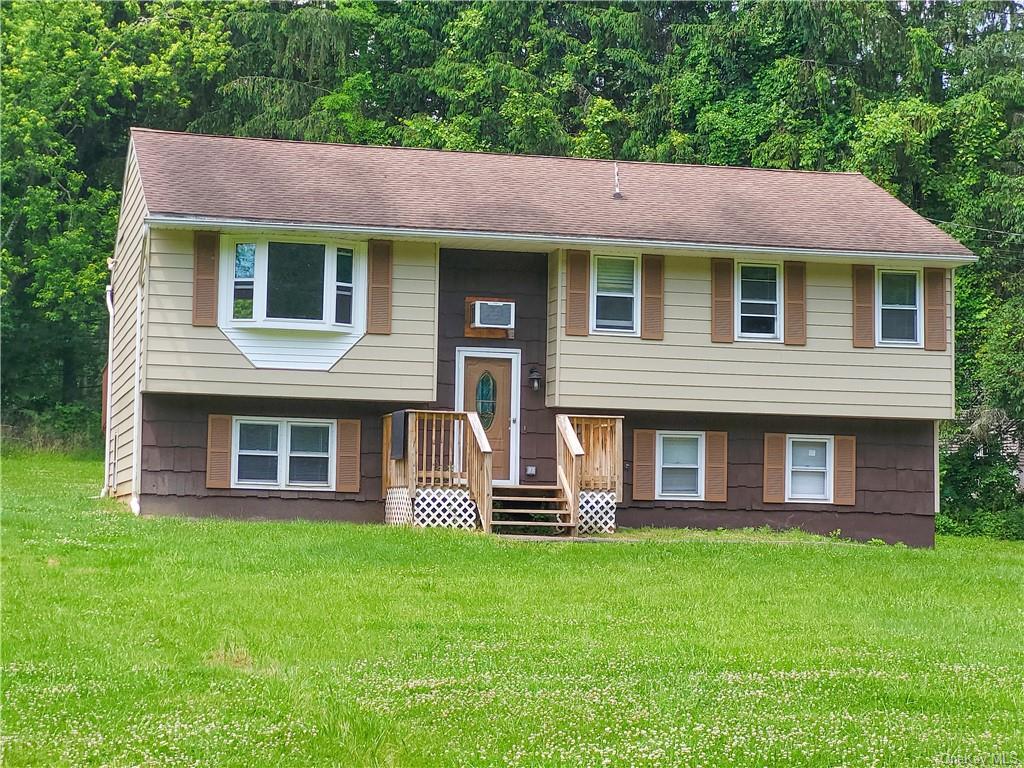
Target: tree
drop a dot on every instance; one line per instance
(75, 74)
(925, 98)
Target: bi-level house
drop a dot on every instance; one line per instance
(523, 343)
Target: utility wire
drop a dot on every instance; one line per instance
(971, 226)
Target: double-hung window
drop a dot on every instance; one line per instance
(244, 284)
(680, 465)
(292, 284)
(257, 452)
(615, 307)
(899, 307)
(809, 467)
(343, 286)
(758, 302)
(283, 453)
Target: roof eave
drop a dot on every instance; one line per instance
(583, 241)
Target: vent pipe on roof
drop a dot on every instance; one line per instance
(616, 194)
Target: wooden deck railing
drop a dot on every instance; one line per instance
(601, 438)
(443, 449)
(569, 456)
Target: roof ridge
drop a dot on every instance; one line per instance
(485, 153)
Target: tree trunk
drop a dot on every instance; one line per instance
(69, 376)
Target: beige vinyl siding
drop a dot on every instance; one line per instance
(187, 359)
(125, 279)
(686, 372)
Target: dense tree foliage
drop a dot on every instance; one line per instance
(926, 98)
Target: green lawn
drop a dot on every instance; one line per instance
(176, 642)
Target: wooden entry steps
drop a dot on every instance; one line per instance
(531, 507)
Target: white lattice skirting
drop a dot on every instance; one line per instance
(398, 507)
(444, 508)
(597, 512)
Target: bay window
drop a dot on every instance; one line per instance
(277, 283)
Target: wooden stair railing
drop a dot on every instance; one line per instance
(601, 438)
(569, 456)
(444, 449)
(478, 468)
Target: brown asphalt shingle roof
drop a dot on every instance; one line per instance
(397, 188)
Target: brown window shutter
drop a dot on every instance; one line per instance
(844, 476)
(716, 466)
(378, 310)
(346, 477)
(795, 319)
(863, 305)
(935, 309)
(652, 302)
(204, 278)
(774, 468)
(722, 309)
(218, 451)
(577, 293)
(644, 456)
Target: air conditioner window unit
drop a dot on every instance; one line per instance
(494, 314)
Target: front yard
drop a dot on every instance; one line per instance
(177, 642)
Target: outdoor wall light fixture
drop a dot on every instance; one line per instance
(535, 379)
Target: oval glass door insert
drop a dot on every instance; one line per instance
(486, 398)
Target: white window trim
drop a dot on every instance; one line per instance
(259, 318)
(919, 329)
(635, 330)
(829, 440)
(775, 338)
(283, 437)
(658, 492)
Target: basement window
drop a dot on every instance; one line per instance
(287, 454)
(809, 468)
(680, 462)
(293, 284)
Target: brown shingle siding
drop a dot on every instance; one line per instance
(893, 475)
(174, 459)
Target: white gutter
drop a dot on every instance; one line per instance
(194, 222)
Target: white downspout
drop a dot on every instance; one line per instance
(136, 506)
(108, 436)
(137, 405)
